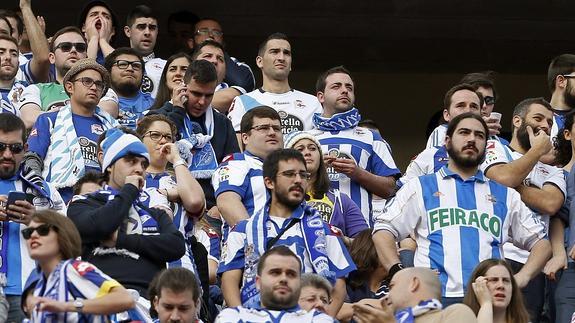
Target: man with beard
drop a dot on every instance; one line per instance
(15, 263)
(67, 46)
(560, 75)
(542, 187)
(459, 217)
(285, 220)
(278, 280)
(126, 68)
(10, 88)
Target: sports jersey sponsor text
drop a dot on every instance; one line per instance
(441, 218)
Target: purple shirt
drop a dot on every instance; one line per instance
(341, 212)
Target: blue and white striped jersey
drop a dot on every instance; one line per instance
(9, 98)
(295, 108)
(428, 161)
(368, 150)
(558, 122)
(458, 223)
(437, 136)
(25, 72)
(542, 174)
(241, 314)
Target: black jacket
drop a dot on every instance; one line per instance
(97, 219)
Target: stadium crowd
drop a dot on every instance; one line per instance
(136, 188)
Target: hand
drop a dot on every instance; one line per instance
(42, 23)
(521, 280)
(135, 180)
(493, 125)
(345, 166)
(539, 141)
(45, 304)
(572, 253)
(171, 152)
(364, 313)
(25, 4)
(375, 302)
(482, 291)
(3, 215)
(328, 159)
(555, 264)
(91, 30)
(111, 242)
(179, 96)
(106, 31)
(214, 213)
(21, 211)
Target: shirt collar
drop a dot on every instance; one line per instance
(446, 172)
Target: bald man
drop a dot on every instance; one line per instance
(411, 287)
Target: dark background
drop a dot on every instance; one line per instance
(404, 54)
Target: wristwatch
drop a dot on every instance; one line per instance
(78, 305)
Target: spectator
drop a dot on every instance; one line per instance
(172, 78)
(335, 207)
(296, 108)
(559, 74)
(493, 294)
(89, 183)
(181, 30)
(414, 297)
(10, 88)
(123, 237)
(460, 188)
(284, 220)
(178, 296)
(126, 68)
(237, 73)
(98, 23)
(278, 281)
(63, 143)
(142, 30)
(359, 160)
(315, 293)
(54, 243)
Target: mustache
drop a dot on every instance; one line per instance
(295, 187)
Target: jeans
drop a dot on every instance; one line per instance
(15, 313)
(533, 293)
(565, 295)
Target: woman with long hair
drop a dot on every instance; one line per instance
(172, 78)
(69, 290)
(493, 294)
(336, 208)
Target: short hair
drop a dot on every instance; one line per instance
(560, 65)
(369, 124)
(183, 16)
(65, 30)
(89, 177)
(13, 14)
(146, 122)
(262, 111)
(10, 28)
(480, 79)
(178, 280)
(316, 281)
(93, 3)
(207, 42)
(164, 94)
(460, 87)
(111, 58)
(321, 83)
(10, 39)
(201, 71)
(10, 122)
(563, 147)
(522, 108)
(467, 115)
(69, 240)
(262, 48)
(279, 250)
(140, 11)
(271, 163)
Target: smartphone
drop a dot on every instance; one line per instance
(14, 196)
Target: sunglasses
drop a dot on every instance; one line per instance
(43, 230)
(67, 46)
(14, 148)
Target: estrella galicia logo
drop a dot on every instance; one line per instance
(290, 122)
(333, 175)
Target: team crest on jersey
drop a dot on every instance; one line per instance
(290, 122)
(299, 104)
(82, 267)
(97, 129)
(491, 198)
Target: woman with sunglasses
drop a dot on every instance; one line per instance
(69, 290)
(335, 207)
(493, 294)
(172, 78)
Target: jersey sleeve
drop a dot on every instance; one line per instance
(381, 162)
(229, 315)
(402, 212)
(39, 138)
(526, 227)
(31, 94)
(556, 177)
(210, 240)
(417, 167)
(89, 280)
(231, 176)
(494, 154)
(437, 137)
(338, 256)
(110, 96)
(26, 69)
(236, 112)
(233, 249)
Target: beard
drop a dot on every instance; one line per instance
(7, 172)
(8, 76)
(463, 161)
(523, 136)
(282, 197)
(126, 88)
(274, 302)
(568, 96)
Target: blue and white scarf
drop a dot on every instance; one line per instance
(64, 161)
(313, 231)
(195, 147)
(139, 219)
(409, 314)
(337, 122)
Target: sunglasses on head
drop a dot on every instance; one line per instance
(14, 148)
(67, 46)
(42, 229)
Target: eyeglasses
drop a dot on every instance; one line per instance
(292, 174)
(43, 230)
(67, 46)
(123, 64)
(267, 127)
(157, 136)
(143, 27)
(88, 82)
(489, 100)
(14, 148)
(207, 32)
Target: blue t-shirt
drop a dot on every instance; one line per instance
(132, 109)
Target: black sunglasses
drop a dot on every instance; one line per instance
(67, 46)
(14, 148)
(42, 229)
